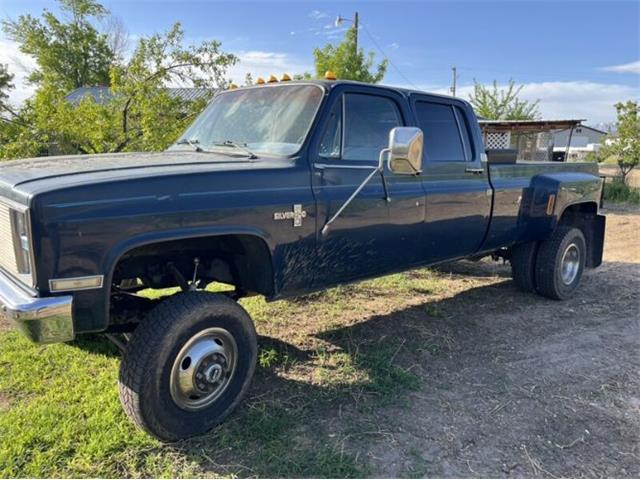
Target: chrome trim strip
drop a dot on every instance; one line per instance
(28, 279)
(76, 279)
(322, 166)
(42, 320)
(13, 204)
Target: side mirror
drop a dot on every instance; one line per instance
(405, 150)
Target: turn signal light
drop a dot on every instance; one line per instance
(76, 283)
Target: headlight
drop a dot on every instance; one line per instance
(21, 241)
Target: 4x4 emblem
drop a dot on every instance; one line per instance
(297, 215)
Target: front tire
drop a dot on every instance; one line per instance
(560, 263)
(187, 365)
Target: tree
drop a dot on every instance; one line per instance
(150, 117)
(70, 52)
(141, 115)
(494, 103)
(625, 145)
(347, 63)
(5, 85)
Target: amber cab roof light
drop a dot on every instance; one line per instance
(329, 75)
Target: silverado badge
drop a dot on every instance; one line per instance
(297, 215)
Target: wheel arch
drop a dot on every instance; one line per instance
(255, 243)
(584, 215)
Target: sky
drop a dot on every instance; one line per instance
(577, 58)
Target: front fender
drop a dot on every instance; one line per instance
(91, 307)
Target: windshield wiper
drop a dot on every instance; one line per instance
(191, 143)
(241, 146)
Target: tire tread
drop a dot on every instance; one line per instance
(136, 368)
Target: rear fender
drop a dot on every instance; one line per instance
(550, 195)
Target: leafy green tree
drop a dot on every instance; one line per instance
(494, 103)
(141, 114)
(625, 144)
(5, 85)
(150, 117)
(70, 52)
(347, 63)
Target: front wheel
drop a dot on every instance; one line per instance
(187, 365)
(560, 263)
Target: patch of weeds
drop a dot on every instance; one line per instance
(270, 440)
(386, 378)
(271, 358)
(397, 282)
(618, 191)
(433, 310)
(336, 369)
(418, 466)
(267, 358)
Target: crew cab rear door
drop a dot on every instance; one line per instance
(456, 184)
(371, 236)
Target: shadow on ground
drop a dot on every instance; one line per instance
(489, 382)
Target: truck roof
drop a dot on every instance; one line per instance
(329, 84)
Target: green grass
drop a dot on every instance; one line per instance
(617, 191)
(60, 415)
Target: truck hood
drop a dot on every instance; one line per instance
(19, 179)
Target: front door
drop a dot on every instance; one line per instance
(367, 238)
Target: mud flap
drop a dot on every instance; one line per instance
(595, 241)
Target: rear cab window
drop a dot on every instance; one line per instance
(446, 133)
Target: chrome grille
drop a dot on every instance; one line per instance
(7, 251)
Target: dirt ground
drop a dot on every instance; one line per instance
(529, 387)
(510, 384)
(506, 384)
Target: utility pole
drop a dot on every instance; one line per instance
(453, 84)
(355, 25)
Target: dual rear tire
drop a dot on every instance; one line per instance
(553, 268)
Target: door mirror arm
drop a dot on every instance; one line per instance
(377, 169)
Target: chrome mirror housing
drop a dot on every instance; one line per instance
(405, 150)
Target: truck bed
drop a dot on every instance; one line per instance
(512, 186)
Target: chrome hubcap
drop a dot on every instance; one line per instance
(570, 264)
(203, 369)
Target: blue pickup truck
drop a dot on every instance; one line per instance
(277, 190)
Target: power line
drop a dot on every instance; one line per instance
(375, 43)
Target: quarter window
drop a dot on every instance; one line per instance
(442, 141)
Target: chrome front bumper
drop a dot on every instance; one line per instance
(41, 319)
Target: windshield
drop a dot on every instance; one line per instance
(271, 120)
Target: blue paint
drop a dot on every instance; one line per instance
(88, 211)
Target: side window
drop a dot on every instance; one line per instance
(368, 120)
(331, 143)
(464, 132)
(442, 141)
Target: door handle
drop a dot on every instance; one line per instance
(475, 171)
